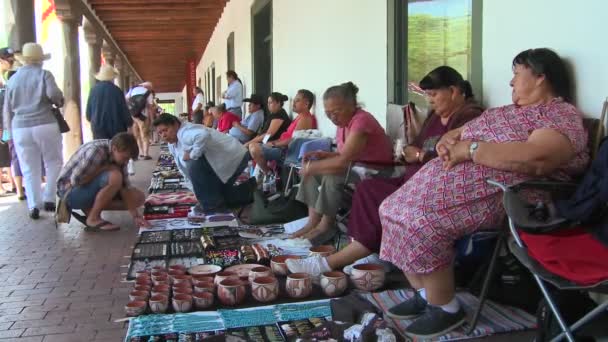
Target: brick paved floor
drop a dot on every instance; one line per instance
(64, 284)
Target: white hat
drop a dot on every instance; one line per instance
(32, 53)
(106, 73)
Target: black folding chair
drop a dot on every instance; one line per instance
(521, 214)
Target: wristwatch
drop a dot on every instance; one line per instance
(418, 154)
(473, 148)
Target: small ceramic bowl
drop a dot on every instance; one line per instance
(158, 303)
(139, 296)
(135, 308)
(182, 302)
(278, 265)
(204, 270)
(322, 251)
(203, 300)
(224, 275)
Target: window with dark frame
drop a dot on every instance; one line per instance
(425, 34)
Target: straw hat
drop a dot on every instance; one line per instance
(32, 53)
(106, 73)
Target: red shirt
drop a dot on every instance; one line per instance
(226, 120)
(378, 149)
(292, 127)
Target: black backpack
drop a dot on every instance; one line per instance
(137, 103)
(573, 305)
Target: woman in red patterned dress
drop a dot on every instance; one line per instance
(540, 134)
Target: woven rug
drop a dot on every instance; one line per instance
(494, 318)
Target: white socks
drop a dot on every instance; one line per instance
(452, 307)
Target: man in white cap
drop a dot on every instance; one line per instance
(107, 109)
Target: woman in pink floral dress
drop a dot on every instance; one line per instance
(540, 134)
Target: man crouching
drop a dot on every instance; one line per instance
(95, 179)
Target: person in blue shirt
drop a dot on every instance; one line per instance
(107, 109)
(233, 96)
(250, 125)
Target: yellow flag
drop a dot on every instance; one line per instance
(48, 17)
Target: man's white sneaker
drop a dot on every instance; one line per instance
(314, 265)
(370, 259)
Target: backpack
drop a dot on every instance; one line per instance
(573, 305)
(137, 103)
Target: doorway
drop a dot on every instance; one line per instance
(262, 47)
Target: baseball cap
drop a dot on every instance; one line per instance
(256, 99)
(6, 53)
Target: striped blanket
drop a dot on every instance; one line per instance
(494, 319)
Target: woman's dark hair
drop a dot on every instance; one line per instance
(345, 91)
(309, 96)
(445, 77)
(278, 97)
(165, 119)
(232, 73)
(546, 62)
(199, 90)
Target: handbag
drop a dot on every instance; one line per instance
(63, 125)
(412, 121)
(284, 208)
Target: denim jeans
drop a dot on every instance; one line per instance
(209, 189)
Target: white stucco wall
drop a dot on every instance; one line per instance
(574, 30)
(177, 97)
(316, 44)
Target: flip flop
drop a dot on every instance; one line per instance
(98, 228)
(80, 218)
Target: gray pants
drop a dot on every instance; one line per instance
(324, 193)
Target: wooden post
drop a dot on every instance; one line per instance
(70, 20)
(94, 41)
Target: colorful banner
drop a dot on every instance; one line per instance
(190, 84)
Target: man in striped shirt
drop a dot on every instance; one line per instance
(95, 179)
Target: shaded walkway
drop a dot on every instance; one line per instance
(63, 285)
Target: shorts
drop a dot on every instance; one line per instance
(83, 197)
(273, 153)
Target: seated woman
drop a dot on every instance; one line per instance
(361, 139)
(274, 150)
(276, 122)
(540, 134)
(451, 105)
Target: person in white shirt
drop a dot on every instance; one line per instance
(209, 160)
(142, 111)
(197, 106)
(233, 96)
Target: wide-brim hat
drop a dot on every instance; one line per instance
(106, 73)
(32, 53)
(256, 99)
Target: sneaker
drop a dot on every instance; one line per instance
(370, 259)
(409, 309)
(34, 214)
(313, 265)
(130, 168)
(435, 322)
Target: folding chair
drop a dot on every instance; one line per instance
(519, 215)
